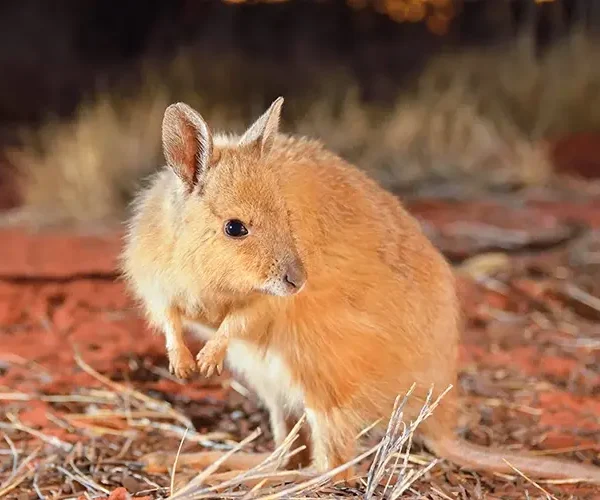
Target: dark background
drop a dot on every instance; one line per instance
(61, 58)
(53, 53)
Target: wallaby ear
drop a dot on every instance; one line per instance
(187, 143)
(264, 130)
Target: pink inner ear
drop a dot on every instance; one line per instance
(187, 157)
(181, 146)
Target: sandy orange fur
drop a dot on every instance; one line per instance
(378, 311)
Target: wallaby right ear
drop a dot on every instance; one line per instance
(263, 131)
(187, 143)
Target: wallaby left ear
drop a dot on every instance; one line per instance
(187, 144)
(264, 130)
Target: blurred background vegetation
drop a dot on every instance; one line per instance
(432, 97)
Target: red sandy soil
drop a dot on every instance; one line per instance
(577, 154)
(530, 358)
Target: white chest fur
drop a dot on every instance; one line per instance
(266, 374)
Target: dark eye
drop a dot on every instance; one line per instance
(235, 228)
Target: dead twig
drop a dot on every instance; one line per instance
(19, 475)
(120, 388)
(172, 488)
(51, 440)
(84, 481)
(528, 479)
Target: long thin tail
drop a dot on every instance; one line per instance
(479, 458)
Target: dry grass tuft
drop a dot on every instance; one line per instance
(396, 446)
(474, 118)
(446, 139)
(554, 93)
(85, 170)
(389, 476)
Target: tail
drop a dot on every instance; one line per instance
(479, 458)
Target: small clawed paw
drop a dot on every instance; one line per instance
(211, 359)
(181, 363)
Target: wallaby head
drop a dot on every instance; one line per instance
(234, 220)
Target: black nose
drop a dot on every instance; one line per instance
(295, 275)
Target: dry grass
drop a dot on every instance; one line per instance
(389, 475)
(474, 118)
(85, 170)
(555, 93)
(123, 422)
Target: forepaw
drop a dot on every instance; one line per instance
(212, 358)
(181, 362)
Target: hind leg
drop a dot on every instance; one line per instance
(333, 441)
(281, 426)
(301, 459)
